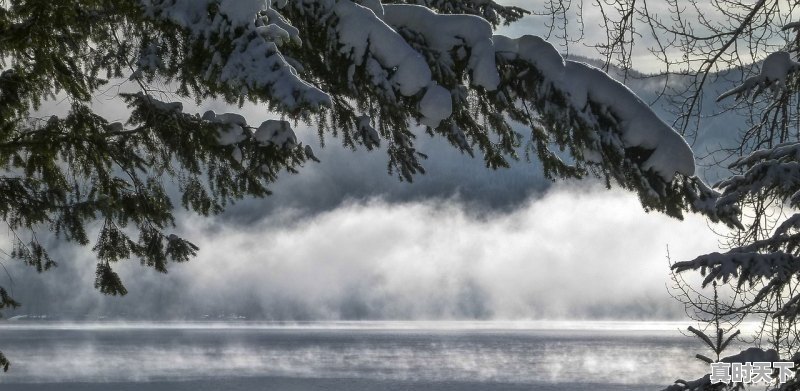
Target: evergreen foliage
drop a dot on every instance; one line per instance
(300, 59)
(753, 45)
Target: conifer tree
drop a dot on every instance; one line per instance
(374, 74)
(754, 46)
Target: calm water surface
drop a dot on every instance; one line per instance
(347, 356)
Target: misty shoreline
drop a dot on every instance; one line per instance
(425, 325)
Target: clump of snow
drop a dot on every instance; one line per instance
(274, 18)
(774, 71)
(176, 107)
(272, 32)
(531, 49)
(257, 64)
(231, 118)
(361, 31)
(641, 127)
(444, 33)
(436, 105)
(232, 127)
(278, 133)
(379, 77)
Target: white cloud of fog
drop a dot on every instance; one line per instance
(572, 253)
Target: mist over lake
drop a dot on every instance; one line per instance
(346, 356)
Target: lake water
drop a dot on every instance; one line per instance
(348, 356)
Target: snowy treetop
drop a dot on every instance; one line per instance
(371, 35)
(372, 70)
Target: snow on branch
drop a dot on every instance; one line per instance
(775, 170)
(361, 32)
(240, 49)
(404, 61)
(747, 267)
(767, 174)
(604, 125)
(775, 69)
(387, 41)
(231, 129)
(443, 33)
(590, 89)
(583, 84)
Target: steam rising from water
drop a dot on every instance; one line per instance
(380, 352)
(573, 253)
